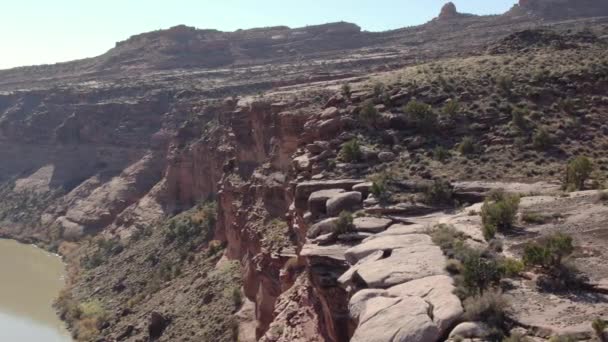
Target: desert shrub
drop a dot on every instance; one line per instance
(454, 266)
(446, 237)
(351, 151)
(421, 115)
(542, 140)
(549, 251)
(504, 83)
(518, 118)
(344, 224)
(91, 320)
(466, 146)
(346, 90)
(440, 154)
(599, 326)
(489, 307)
(480, 273)
(368, 113)
(105, 248)
(378, 89)
(440, 192)
(534, 218)
(498, 215)
(510, 267)
(451, 108)
(577, 172)
(237, 297)
(192, 227)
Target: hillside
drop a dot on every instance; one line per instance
(322, 183)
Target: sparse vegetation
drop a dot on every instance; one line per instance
(344, 224)
(542, 140)
(499, 214)
(439, 193)
(599, 327)
(351, 151)
(193, 227)
(466, 146)
(368, 113)
(104, 250)
(490, 308)
(451, 108)
(578, 171)
(549, 251)
(480, 273)
(441, 154)
(421, 115)
(346, 90)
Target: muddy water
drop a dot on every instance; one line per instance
(29, 281)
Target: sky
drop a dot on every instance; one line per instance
(48, 31)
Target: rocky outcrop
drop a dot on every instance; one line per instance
(419, 310)
(448, 11)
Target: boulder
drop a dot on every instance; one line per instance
(329, 128)
(371, 224)
(348, 201)
(323, 227)
(439, 292)
(318, 199)
(470, 330)
(404, 209)
(407, 320)
(330, 113)
(420, 310)
(304, 189)
(302, 163)
(363, 188)
(318, 147)
(448, 11)
(404, 258)
(386, 156)
(156, 325)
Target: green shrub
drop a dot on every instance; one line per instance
(351, 151)
(451, 108)
(344, 224)
(498, 215)
(480, 273)
(447, 237)
(379, 89)
(511, 267)
(542, 140)
(489, 308)
(105, 248)
(368, 113)
(599, 326)
(549, 251)
(466, 146)
(441, 154)
(578, 171)
(421, 115)
(439, 193)
(518, 117)
(534, 218)
(504, 83)
(346, 90)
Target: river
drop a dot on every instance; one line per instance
(31, 280)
